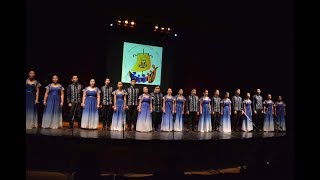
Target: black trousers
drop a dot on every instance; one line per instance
(236, 121)
(258, 119)
(192, 120)
(156, 120)
(106, 115)
(215, 120)
(75, 110)
(131, 117)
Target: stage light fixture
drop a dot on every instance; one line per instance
(169, 29)
(119, 22)
(126, 22)
(162, 28)
(132, 23)
(175, 35)
(111, 24)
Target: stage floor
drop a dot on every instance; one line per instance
(156, 135)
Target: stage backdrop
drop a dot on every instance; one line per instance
(142, 63)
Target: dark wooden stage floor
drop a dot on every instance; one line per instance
(69, 150)
(155, 135)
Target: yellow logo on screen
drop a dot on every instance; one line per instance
(141, 71)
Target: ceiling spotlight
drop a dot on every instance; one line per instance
(156, 27)
(169, 29)
(126, 21)
(111, 24)
(132, 23)
(119, 21)
(175, 35)
(162, 28)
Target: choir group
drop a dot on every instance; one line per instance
(127, 109)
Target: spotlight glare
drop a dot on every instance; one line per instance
(132, 23)
(162, 28)
(126, 21)
(111, 24)
(119, 21)
(175, 35)
(168, 29)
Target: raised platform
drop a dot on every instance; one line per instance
(137, 152)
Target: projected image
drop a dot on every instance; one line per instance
(142, 63)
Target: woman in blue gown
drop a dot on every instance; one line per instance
(119, 116)
(225, 121)
(205, 113)
(144, 120)
(168, 110)
(90, 104)
(246, 123)
(32, 99)
(179, 103)
(53, 102)
(268, 124)
(280, 113)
